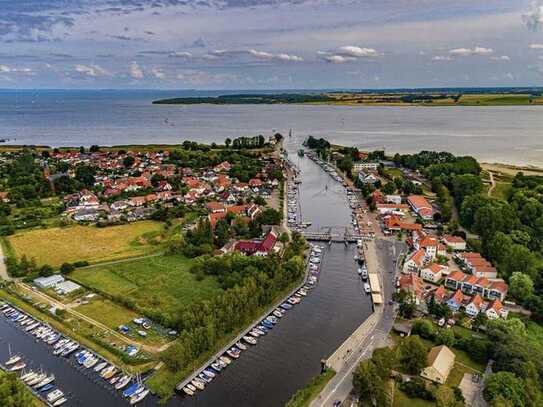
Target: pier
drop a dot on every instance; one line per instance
(332, 234)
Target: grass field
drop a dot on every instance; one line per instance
(113, 315)
(55, 246)
(401, 400)
(155, 282)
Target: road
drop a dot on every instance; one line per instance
(388, 250)
(3, 269)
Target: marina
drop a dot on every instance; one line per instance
(43, 369)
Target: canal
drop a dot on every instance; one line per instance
(268, 374)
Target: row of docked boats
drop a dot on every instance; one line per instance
(251, 338)
(41, 383)
(64, 346)
(315, 258)
(327, 167)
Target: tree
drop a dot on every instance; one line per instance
(227, 142)
(505, 386)
(412, 354)
(424, 328)
(389, 188)
(13, 392)
(129, 161)
(445, 397)
(521, 286)
(66, 268)
(368, 383)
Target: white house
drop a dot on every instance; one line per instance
(364, 166)
(475, 306)
(395, 199)
(455, 243)
(495, 310)
(432, 273)
(415, 262)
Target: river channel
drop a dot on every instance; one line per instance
(283, 361)
(268, 374)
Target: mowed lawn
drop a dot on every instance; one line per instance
(55, 246)
(162, 282)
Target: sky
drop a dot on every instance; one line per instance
(270, 44)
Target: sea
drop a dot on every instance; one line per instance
(507, 134)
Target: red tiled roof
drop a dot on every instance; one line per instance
(456, 276)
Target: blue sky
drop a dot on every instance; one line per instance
(270, 44)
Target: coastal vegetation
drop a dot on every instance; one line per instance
(304, 396)
(398, 97)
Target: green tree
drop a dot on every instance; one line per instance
(128, 161)
(505, 386)
(13, 392)
(368, 383)
(412, 354)
(521, 286)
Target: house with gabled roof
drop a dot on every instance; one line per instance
(455, 301)
(415, 262)
(475, 306)
(433, 272)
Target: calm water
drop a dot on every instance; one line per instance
(72, 118)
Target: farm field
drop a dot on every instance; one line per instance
(55, 246)
(159, 282)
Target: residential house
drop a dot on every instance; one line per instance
(432, 273)
(367, 178)
(440, 363)
(415, 262)
(496, 310)
(410, 283)
(257, 248)
(365, 166)
(491, 289)
(455, 243)
(392, 208)
(456, 301)
(421, 206)
(394, 199)
(474, 306)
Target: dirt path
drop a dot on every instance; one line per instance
(3, 269)
(59, 305)
(492, 182)
(129, 259)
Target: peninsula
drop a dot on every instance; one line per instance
(380, 97)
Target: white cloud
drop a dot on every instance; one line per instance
(441, 58)
(534, 18)
(91, 70)
(158, 73)
(536, 46)
(8, 69)
(135, 71)
(337, 59)
(181, 54)
(471, 51)
(356, 52)
(501, 58)
(270, 56)
(347, 53)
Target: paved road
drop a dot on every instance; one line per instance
(388, 251)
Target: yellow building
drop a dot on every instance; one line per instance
(440, 363)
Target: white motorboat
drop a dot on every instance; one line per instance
(54, 395)
(367, 288)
